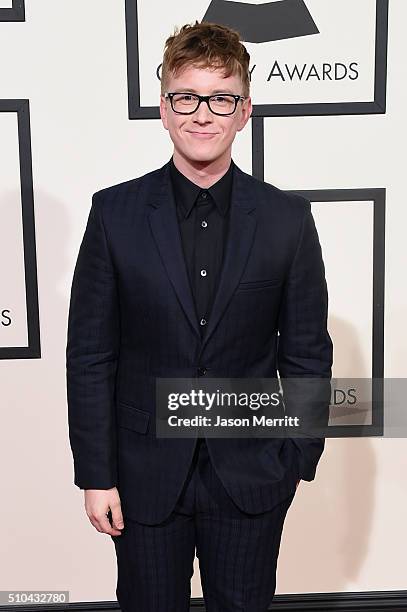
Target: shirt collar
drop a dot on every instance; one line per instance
(186, 192)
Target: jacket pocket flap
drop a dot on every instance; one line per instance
(133, 418)
(260, 284)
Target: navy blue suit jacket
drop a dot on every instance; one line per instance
(132, 319)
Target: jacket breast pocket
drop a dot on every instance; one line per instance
(259, 284)
(130, 417)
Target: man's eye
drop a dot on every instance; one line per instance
(219, 98)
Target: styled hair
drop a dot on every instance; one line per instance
(206, 45)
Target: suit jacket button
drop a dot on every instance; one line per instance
(202, 371)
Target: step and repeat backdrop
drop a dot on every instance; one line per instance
(79, 95)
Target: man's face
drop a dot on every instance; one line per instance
(204, 136)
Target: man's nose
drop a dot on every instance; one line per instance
(203, 114)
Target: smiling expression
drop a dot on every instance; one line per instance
(204, 136)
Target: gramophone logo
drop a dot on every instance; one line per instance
(313, 57)
(259, 23)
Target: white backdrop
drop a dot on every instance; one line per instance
(346, 529)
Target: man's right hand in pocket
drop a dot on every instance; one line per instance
(98, 503)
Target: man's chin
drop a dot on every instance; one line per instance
(203, 156)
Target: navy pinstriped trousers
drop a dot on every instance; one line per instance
(237, 552)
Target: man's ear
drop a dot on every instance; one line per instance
(163, 111)
(246, 113)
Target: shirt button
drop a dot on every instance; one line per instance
(204, 195)
(203, 272)
(204, 224)
(203, 321)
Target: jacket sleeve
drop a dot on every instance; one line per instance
(93, 341)
(305, 350)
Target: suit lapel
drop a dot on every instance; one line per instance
(164, 225)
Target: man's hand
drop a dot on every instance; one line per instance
(98, 502)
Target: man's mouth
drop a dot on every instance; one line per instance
(202, 135)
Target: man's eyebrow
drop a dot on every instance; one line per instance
(191, 90)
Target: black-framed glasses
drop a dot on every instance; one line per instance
(186, 103)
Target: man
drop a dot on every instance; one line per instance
(195, 269)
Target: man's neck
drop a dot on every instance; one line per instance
(203, 174)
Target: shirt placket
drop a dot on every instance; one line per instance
(204, 258)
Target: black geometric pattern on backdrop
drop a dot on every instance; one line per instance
(15, 13)
(378, 197)
(263, 22)
(375, 106)
(33, 350)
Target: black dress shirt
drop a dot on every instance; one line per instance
(203, 221)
